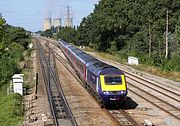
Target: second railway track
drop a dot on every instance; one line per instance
(60, 110)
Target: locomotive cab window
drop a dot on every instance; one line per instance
(113, 80)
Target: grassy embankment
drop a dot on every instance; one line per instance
(11, 109)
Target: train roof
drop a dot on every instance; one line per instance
(94, 65)
(77, 51)
(85, 58)
(64, 42)
(81, 55)
(97, 66)
(71, 47)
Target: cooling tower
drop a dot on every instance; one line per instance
(68, 22)
(47, 23)
(57, 22)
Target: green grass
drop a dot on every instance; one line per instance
(11, 113)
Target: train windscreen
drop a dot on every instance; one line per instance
(113, 80)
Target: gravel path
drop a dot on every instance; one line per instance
(37, 107)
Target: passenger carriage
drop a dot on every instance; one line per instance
(106, 81)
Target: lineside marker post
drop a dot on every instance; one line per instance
(36, 84)
(29, 104)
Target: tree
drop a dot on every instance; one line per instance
(136, 27)
(13, 41)
(68, 34)
(47, 33)
(17, 35)
(2, 22)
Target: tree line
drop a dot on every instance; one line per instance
(13, 42)
(147, 29)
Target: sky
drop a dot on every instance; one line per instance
(29, 14)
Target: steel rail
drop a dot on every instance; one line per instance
(146, 80)
(167, 95)
(50, 91)
(123, 118)
(60, 93)
(176, 108)
(59, 87)
(130, 122)
(45, 76)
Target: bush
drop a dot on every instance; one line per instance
(122, 55)
(171, 65)
(12, 112)
(29, 51)
(7, 68)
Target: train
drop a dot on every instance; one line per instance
(106, 82)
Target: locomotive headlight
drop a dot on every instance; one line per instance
(106, 92)
(122, 92)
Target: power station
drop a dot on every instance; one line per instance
(47, 24)
(57, 22)
(68, 22)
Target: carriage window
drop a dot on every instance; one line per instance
(113, 80)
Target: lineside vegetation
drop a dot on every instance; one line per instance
(14, 42)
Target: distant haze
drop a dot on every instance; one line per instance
(54, 8)
(30, 14)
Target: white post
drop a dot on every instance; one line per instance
(166, 56)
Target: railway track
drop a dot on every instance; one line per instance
(123, 118)
(159, 103)
(60, 110)
(163, 104)
(143, 87)
(120, 117)
(156, 87)
(146, 87)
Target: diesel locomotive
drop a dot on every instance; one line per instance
(105, 82)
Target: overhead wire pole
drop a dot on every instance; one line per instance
(68, 17)
(166, 56)
(150, 41)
